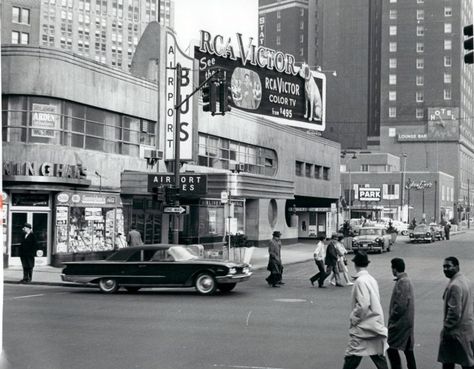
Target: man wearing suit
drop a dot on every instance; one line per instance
(27, 253)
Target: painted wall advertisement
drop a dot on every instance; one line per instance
(264, 81)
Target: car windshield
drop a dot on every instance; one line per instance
(370, 232)
(421, 228)
(180, 253)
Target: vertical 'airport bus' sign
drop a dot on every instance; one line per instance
(265, 81)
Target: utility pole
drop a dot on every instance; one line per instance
(468, 204)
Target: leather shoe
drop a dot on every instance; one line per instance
(22, 281)
(312, 282)
(339, 285)
(322, 286)
(275, 286)
(281, 282)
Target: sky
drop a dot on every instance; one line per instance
(224, 17)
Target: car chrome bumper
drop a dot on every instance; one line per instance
(77, 278)
(235, 278)
(366, 247)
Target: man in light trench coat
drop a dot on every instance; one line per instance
(401, 318)
(457, 336)
(367, 332)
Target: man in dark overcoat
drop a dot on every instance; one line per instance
(331, 260)
(27, 253)
(401, 318)
(275, 267)
(457, 336)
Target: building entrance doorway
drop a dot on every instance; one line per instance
(40, 222)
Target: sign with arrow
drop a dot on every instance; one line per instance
(174, 210)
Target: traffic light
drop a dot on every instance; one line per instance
(225, 97)
(171, 195)
(469, 44)
(158, 193)
(209, 97)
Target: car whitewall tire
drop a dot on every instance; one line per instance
(205, 284)
(108, 285)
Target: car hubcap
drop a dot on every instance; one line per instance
(206, 283)
(108, 284)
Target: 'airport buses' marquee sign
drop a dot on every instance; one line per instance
(265, 81)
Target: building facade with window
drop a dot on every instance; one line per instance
(105, 31)
(399, 194)
(76, 138)
(410, 91)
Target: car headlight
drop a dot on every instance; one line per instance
(412, 235)
(232, 271)
(428, 234)
(377, 240)
(246, 270)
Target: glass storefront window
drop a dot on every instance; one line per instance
(54, 121)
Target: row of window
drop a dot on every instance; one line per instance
(222, 153)
(310, 170)
(56, 122)
(448, 12)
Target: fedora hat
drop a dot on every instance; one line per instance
(276, 234)
(361, 259)
(27, 225)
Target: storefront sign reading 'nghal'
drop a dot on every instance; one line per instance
(45, 172)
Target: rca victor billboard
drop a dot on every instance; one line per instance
(264, 81)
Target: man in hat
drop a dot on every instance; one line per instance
(27, 253)
(275, 266)
(367, 332)
(331, 260)
(456, 345)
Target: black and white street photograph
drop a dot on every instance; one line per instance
(223, 184)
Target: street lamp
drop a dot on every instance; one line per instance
(354, 156)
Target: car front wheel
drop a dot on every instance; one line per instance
(108, 285)
(205, 284)
(227, 287)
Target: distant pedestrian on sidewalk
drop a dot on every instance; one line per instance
(401, 318)
(275, 267)
(331, 260)
(134, 238)
(447, 229)
(27, 253)
(457, 336)
(367, 332)
(319, 254)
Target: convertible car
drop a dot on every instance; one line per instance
(157, 266)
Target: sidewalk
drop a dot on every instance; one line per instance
(48, 275)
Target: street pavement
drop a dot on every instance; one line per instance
(291, 254)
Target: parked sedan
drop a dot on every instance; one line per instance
(372, 239)
(157, 266)
(422, 232)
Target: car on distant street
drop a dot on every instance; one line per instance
(159, 265)
(423, 233)
(438, 231)
(372, 239)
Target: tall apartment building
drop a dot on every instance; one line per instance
(401, 84)
(106, 31)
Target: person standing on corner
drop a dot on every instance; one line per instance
(319, 255)
(401, 320)
(134, 238)
(27, 253)
(367, 332)
(456, 344)
(275, 266)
